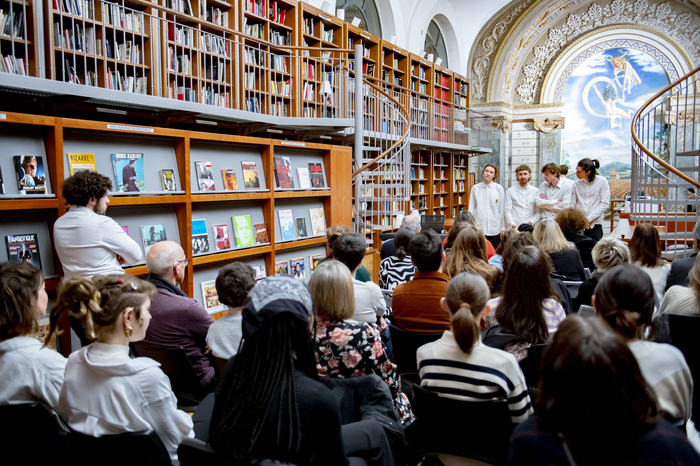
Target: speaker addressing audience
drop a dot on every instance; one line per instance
(486, 203)
(591, 194)
(520, 200)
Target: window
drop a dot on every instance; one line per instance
(366, 10)
(435, 43)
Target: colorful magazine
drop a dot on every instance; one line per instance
(243, 230)
(200, 237)
(210, 298)
(286, 224)
(260, 272)
(230, 181)
(77, 162)
(316, 174)
(23, 248)
(283, 173)
(301, 228)
(261, 233)
(297, 268)
(222, 240)
(304, 180)
(151, 234)
(250, 175)
(282, 268)
(128, 172)
(205, 180)
(167, 180)
(318, 222)
(314, 261)
(31, 178)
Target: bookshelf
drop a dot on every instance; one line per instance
(419, 71)
(18, 44)
(395, 64)
(460, 183)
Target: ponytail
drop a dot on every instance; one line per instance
(465, 328)
(401, 253)
(591, 166)
(79, 299)
(466, 296)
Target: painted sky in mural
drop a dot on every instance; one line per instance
(601, 97)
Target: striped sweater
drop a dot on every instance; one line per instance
(484, 375)
(393, 272)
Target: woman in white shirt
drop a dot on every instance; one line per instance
(28, 372)
(645, 250)
(134, 394)
(591, 194)
(486, 201)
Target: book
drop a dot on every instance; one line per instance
(243, 230)
(31, 178)
(318, 222)
(304, 180)
(261, 233)
(314, 261)
(200, 237)
(222, 238)
(260, 272)
(151, 234)
(283, 173)
(316, 175)
(230, 181)
(282, 268)
(286, 224)
(167, 180)
(210, 298)
(23, 248)
(298, 269)
(301, 228)
(128, 172)
(250, 175)
(77, 162)
(205, 180)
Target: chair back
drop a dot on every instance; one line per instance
(130, 448)
(683, 330)
(405, 346)
(194, 452)
(585, 309)
(478, 430)
(25, 424)
(573, 287)
(531, 364)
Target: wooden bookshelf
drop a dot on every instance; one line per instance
(395, 64)
(18, 47)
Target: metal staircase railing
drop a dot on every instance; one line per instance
(666, 163)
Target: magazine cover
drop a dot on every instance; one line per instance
(205, 180)
(283, 173)
(286, 224)
(77, 162)
(210, 297)
(301, 228)
(31, 178)
(230, 181)
(318, 222)
(222, 240)
(314, 260)
(128, 172)
(167, 180)
(200, 237)
(261, 233)
(282, 268)
(243, 230)
(260, 272)
(250, 175)
(316, 174)
(151, 234)
(23, 248)
(297, 268)
(304, 181)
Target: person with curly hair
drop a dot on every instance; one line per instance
(573, 223)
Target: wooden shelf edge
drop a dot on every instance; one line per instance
(234, 254)
(301, 194)
(197, 198)
(300, 243)
(26, 204)
(147, 200)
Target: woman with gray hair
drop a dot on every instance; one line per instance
(607, 253)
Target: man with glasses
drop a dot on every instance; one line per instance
(177, 320)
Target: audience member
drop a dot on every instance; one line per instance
(397, 268)
(464, 219)
(332, 234)
(595, 406)
(233, 283)
(572, 223)
(178, 320)
(645, 250)
(344, 348)
(563, 172)
(607, 253)
(469, 255)
(684, 300)
(681, 267)
(104, 391)
(565, 257)
(409, 222)
(416, 304)
(486, 201)
(591, 194)
(459, 366)
(624, 298)
(520, 200)
(526, 228)
(28, 372)
(553, 196)
(497, 259)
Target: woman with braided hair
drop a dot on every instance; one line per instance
(134, 394)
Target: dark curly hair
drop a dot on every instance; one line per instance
(234, 282)
(84, 185)
(572, 220)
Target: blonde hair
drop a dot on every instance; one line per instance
(694, 278)
(608, 253)
(332, 291)
(466, 296)
(468, 254)
(549, 236)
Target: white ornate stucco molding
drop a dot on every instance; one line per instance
(661, 17)
(548, 125)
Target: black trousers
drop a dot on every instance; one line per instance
(595, 233)
(495, 240)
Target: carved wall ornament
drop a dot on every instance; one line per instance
(548, 125)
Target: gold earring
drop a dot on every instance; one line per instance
(128, 331)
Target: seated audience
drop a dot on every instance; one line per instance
(397, 268)
(463, 219)
(595, 406)
(416, 304)
(344, 348)
(681, 300)
(332, 234)
(389, 247)
(28, 372)
(469, 255)
(497, 259)
(645, 250)
(105, 392)
(573, 222)
(680, 268)
(565, 257)
(177, 320)
(607, 253)
(232, 285)
(459, 366)
(526, 228)
(350, 249)
(624, 298)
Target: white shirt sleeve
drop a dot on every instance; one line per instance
(472, 202)
(602, 201)
(501, 202)
(508, 207)
(116, 240)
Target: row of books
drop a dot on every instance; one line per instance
(181, 35)
(126, 51)
(257, 7)
(278, 109)
(216, 97)
(182, 6)
(292, 228)
(419, 87)
(422, 203)
(88, 77)
(83, 8)
(216, 16)
(133, 84)
(115, 15)
(420, 69)
(215, 71)
(283, 88)
(279, 63)
(277, 14)
(13, 65)
(181, 93)
(12, 23)
(245, 234)
(280, 38)
(77, 38)
(213, 44)
(254, 30)
(254, 57)
(308, 177)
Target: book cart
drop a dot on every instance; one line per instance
(52, 138)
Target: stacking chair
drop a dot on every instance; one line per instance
(31, 431)
(194, 452)
(584, 309)
(573, 287)
(683, 330)
(531, 365)
(405, 346)
(131, 448)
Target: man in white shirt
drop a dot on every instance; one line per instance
(520, 200)
(486, 200)
(554, 196)
(88, 242)
(563, 171)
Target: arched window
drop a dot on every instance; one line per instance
(366, 10)
(435, 43)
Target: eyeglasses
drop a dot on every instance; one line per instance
(186, 261)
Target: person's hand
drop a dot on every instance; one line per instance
(530, 222)
(121, 260)
(542, 196)
(382, 324)
(502, 234)
(514, 226)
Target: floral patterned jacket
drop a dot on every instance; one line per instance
(345, 349)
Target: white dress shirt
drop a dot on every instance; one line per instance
(564, 180)
(550, 207)
(520, 205)
(369, 302)
(486, 203)
(87, 244)
(592, 197)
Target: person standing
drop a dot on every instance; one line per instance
(591, 194)
(563, 172)
(520, 200)
(554, 196)
(486, 200)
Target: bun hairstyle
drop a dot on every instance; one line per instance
(402, 238)
(335, 232)
(589, 165)
(466, 297)
(19, 288)
(97, 304)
